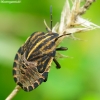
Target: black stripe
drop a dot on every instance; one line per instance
(38, 54)
(32, 44)
(49, 46)
(34, 56)
(46, 41)
(41, 67)
(36, 38)
(35, 33)
(28, 45)
(42, 44)
(52, 54)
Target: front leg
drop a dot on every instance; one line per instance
(61, 49)
(55, 61)
(57, 64)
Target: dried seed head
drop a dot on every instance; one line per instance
(71, 18)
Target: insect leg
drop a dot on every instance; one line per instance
(55, 61)
(57, 64)
(61, 49)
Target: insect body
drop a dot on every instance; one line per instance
(33, 59)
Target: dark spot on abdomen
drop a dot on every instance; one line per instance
(14, 64)
(20, 84)
(25, 89)
(16, 57)
(30, 88)
(35, 85)
(40, 80)
(15, 79)
(14, 72)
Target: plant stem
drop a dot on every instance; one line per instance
(13, 93)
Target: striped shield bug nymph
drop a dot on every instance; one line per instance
(33, 59)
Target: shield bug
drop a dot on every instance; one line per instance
(33, 59)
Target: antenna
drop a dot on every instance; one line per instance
(62, 36)
(51, 17)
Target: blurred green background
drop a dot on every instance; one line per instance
(79, 77)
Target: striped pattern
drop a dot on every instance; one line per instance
(32, 61)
